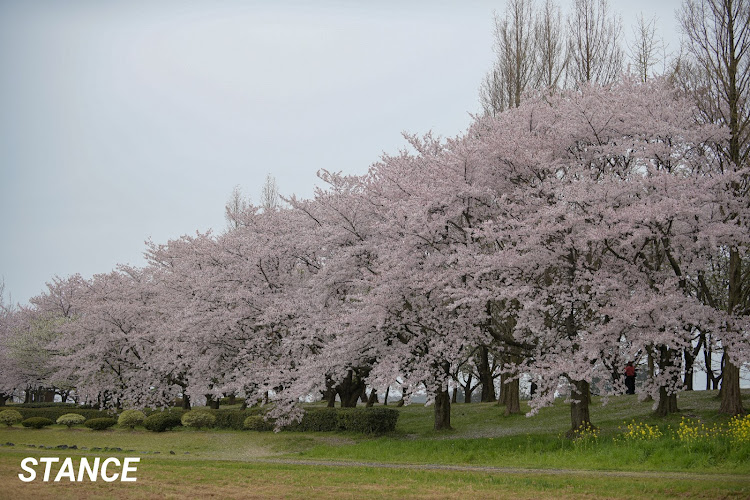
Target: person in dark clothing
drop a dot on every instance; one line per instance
(630, 378)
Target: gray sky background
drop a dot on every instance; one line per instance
(123, 121)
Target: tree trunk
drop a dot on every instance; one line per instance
(363, 395)
(454, 396)
(468, 391)
(404, 392)
(372, 399)
(330, 397)
(232, 399)
(689, 360)
(385, 399)
(667, 398)
(350, 390)
(509, 394)
(731, 398)
(3, 397)
(651, 369)
(485, 376)
(579, 407)
(185, 401)
(667, 403)
(215, 403)
(442, 410)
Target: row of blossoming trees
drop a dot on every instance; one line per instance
(567, 236)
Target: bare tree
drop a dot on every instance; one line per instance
(646, 50)
(269, 195)
(550, 46)
(235, 208)
(514, 67)
(594, 43)
(718, 35)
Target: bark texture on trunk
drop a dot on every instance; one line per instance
(350, 390)
(731, 398)
(579, 407)
(509, 394)
(485, 376)
(372, 399)
(442, 410)
(667, 403)
(667, 398)
(689, 361)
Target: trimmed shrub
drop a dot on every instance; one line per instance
(131, 418)
(198, 419)
(100, 424)
(10, 417)
(71, 419)
(37, 422)
(257, 423)
(162, 421)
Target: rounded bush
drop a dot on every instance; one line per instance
(162, 421)
(37, 422)
(10, 417)
(198, 419)
(257, 423)
(100, 424)
(71, 419)
(131, 418)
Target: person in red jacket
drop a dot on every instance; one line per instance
(630, 378)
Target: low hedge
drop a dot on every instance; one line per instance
(53, 405)
(37, 422)
(257, 423)
(361, 420)
(55, 413)
(234, 419)
(368, 420)
(100, 424)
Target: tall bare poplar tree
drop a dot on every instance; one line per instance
(646, 51)
(269, 194)
(718, 35)
(551, 46)
(594, 43)
(235, 208)
(514, 68)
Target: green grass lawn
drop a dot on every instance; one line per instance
(230, 464)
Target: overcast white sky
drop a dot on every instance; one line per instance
(123, 121)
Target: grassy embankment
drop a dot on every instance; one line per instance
(225, 463)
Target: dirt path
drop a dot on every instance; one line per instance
(503, 470)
